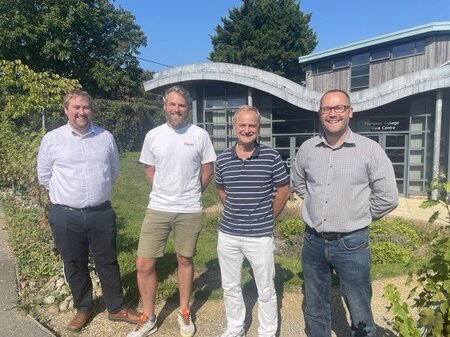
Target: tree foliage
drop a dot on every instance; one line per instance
(128, 121)
(265, 34)
(25, 96)
(88, 40)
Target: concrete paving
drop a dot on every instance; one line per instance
(15, 323)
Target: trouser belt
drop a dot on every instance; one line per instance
(102, 207)
(330, 236)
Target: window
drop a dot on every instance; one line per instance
(420, 47)
(380, 55)
(360, 59)
(322, 67)
(402, 50)
(360, 72)
(408, 49)
(343, 63)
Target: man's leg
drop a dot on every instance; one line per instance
(147, 280)
(259, 252)
(352, 262)
(154, 233)
(317, 286)
(186, 229)
(185, 279)
(230, 261)
(102, 245)
(71, 241)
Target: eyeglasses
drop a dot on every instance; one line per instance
(337, 108)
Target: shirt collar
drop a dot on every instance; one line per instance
(349, 138)
(90, 130)
(255, 152)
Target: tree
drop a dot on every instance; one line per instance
(265, 34)
(25, 96)
(88, 40)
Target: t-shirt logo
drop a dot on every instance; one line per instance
(188, 143)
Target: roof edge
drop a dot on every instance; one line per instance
(405, 33)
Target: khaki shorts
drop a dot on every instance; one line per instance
(157, 226)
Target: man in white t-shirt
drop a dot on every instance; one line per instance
(178, 158)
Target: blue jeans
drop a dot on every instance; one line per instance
(350, 258)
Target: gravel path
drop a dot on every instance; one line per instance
(210, 320)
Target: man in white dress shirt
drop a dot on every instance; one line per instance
(77, 164)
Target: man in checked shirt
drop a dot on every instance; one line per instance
(346, 181)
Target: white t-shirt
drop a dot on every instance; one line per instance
(177, 155)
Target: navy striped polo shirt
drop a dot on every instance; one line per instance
(249, 186)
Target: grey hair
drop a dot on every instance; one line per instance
(250, 108)
(182, 91)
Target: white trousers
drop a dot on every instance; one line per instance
(231, 251)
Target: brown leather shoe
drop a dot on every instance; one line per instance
(126, 314)
(80, 320)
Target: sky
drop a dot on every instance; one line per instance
(178, 31)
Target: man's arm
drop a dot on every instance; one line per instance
(384, 196)
(115, 160)
(298, 175)
(221, 193)
(149, 173)
(281, 197)
(206, 174)
(44, 165)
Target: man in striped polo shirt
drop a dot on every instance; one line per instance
(246, 176)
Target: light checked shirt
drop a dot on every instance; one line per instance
(343, 189)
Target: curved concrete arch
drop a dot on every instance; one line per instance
(289, 91)
(401, 87)
(276, 85)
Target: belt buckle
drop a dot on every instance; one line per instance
(330, 236)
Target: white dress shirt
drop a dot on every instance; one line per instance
(78, 170)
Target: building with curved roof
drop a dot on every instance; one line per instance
(399, 84)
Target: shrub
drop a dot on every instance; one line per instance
(431, 290)
(289, 229)
(389, 253)
(432, 297)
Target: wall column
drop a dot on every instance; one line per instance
(249, 96)
(437, 140)
(194, 105)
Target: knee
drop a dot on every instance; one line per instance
(145, 265)
(184, 262)
(267, 294)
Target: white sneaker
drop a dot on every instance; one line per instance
(144, 327)
(187, 327)
(233, 333)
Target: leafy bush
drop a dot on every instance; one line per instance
(431, 289)
(432, 297)
(389, 253)
(393, 241)
(289, 229)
